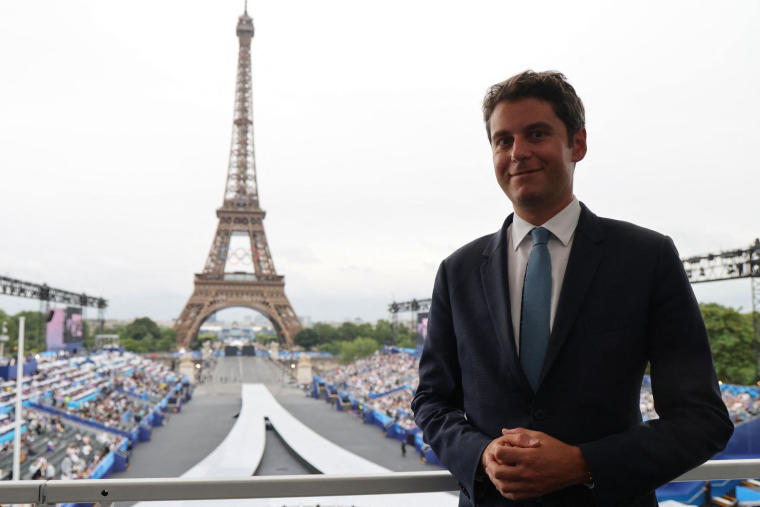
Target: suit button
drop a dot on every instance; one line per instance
(539, 415)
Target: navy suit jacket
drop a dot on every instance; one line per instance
(625, 301)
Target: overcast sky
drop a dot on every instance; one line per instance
(373, 163)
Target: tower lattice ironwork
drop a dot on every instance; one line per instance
(240, 215)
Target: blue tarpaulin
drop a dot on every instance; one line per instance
(747, 495)
(8, 435)
(688, 492)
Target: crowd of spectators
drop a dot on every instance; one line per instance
(43, 442)
(646, 403)
(741, 405)
(82, 457)
(113, 409)
(141, 383)
(107, 379)
(40, 426)
(742, 402)
(116, 390)
(372, 382)
(369, 379)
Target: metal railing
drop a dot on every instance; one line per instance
(108, 491)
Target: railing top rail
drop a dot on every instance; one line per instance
(118, 490)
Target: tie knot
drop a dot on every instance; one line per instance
(540, 236)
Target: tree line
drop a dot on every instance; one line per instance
(351, 341)
(144, 335)
(731, 335)
(140, 335)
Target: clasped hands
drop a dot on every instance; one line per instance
(526, 464)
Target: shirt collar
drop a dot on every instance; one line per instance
(562, 225)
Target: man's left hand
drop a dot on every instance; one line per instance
(520, 473)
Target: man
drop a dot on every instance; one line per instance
(539, 334)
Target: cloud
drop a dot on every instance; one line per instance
(298, 255)
(371, 157)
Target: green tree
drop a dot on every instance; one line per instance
(731, 339)
(137, 346)
(331, 348)
(326, 332)
(407, 338)
(407, 341)
(141, 328)
(34, 332)
(149, 342)
(306, 338)
(366, 330)
(165, 344)
(383, 333)
(348, 331)
(265, 338)
(166, 341)
(7, 319)
(88, 335)
(358, 348)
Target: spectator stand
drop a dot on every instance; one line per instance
(47, 444)
(8, 371)
(102, 423)
(387, 409)
(743, 404)
(7, 429)
(380, 388)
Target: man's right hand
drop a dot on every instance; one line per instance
(512, 440)
(528, 464)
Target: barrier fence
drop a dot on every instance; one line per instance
(107, 491)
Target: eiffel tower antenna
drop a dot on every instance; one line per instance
(240, 215)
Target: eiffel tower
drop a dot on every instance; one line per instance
(240, 215)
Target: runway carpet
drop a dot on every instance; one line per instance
(204, 422)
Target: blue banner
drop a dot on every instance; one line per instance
(9, 434)
(104, 468)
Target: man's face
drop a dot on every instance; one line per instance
(533, 161)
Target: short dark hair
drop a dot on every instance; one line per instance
(550, 86)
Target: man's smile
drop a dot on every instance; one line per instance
(524, 172)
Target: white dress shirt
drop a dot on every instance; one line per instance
(562, 227)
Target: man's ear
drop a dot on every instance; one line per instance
(579, 145)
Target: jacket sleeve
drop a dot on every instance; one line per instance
(693, 422)
(438, 404)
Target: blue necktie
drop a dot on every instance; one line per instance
(536, 308)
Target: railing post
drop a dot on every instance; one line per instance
(41, 495)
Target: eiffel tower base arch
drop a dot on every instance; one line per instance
(212, 295)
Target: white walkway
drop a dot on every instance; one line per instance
(240, 453)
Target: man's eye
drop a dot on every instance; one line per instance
(539, 134)
(504, 140)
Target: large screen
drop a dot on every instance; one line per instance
(54, 330)
(422, 323)
(64, 329)
(72, 328)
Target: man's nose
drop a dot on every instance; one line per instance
(520, 150)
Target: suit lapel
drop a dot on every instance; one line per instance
(494, 275)
(585, 256)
